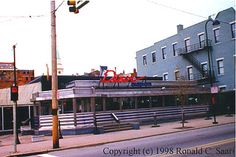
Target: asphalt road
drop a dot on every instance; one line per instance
(207, 142)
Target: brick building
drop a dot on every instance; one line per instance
(7, 75)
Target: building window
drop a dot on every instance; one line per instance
(144, 60)
(204, 69)
(174, 47)
(220, 67)
(164, 55)
(190, 73)
(154, 57)
(217, 35)
(187, 45)
(233, 30)
(165, 76)
(201, 40)
(177, 75)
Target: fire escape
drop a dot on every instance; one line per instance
(202, 75)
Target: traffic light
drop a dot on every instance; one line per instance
(72, 8)
(73, 5)
(14, 93)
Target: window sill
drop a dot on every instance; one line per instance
(219, 75)
(218, 43)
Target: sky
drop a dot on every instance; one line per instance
(104, 32)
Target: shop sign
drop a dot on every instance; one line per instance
(141, 84)
(214, 89)
(118, 78)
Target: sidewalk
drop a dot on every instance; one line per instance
(75, 141)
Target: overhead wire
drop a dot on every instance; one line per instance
(11, 18)
(176, 9)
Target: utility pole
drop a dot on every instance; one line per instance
(55, 136)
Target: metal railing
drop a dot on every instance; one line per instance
(195, 47)
(115, 117)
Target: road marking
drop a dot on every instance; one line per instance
(213, 144)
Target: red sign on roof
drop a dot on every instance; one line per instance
(119, 78)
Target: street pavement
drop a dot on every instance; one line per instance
(212, 141)
(27, 147)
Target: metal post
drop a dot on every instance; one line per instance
(15, 133)
(183, 118)
(214, 109)
(208, 53)
(29, 110)
(95, 122)
(210, 70)
(60, 134)
(208, 114)
(3, 119)
(75, 111)
(14, 126)
(155, 120)
(15, 103)
(55, 136)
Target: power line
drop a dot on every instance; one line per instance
(176, 9)
(11, 18)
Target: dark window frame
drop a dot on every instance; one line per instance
(201, 40)
(217, 35)
(154, 57)
(233, 30)
(163, 51)
(220, 67)
(165, 76)
(187, 45)
(177, 75)
(174, 48)
(190, 73)
(204, 67)
(144, 60)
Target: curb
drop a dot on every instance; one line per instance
(101, 143)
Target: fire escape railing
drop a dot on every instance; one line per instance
(195, 47)
(186, 52)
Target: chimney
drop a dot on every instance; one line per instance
(179, 28)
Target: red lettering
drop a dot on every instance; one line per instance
(119, 78)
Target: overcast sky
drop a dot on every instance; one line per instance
(105, 32)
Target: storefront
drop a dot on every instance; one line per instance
(25, 108)
(89, 95)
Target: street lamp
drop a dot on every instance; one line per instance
(210, 75)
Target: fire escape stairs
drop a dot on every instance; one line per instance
(187, 53)
(202, 75)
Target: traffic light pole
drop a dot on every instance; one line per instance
(55, 134)
(15, 133)
(14, 126)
